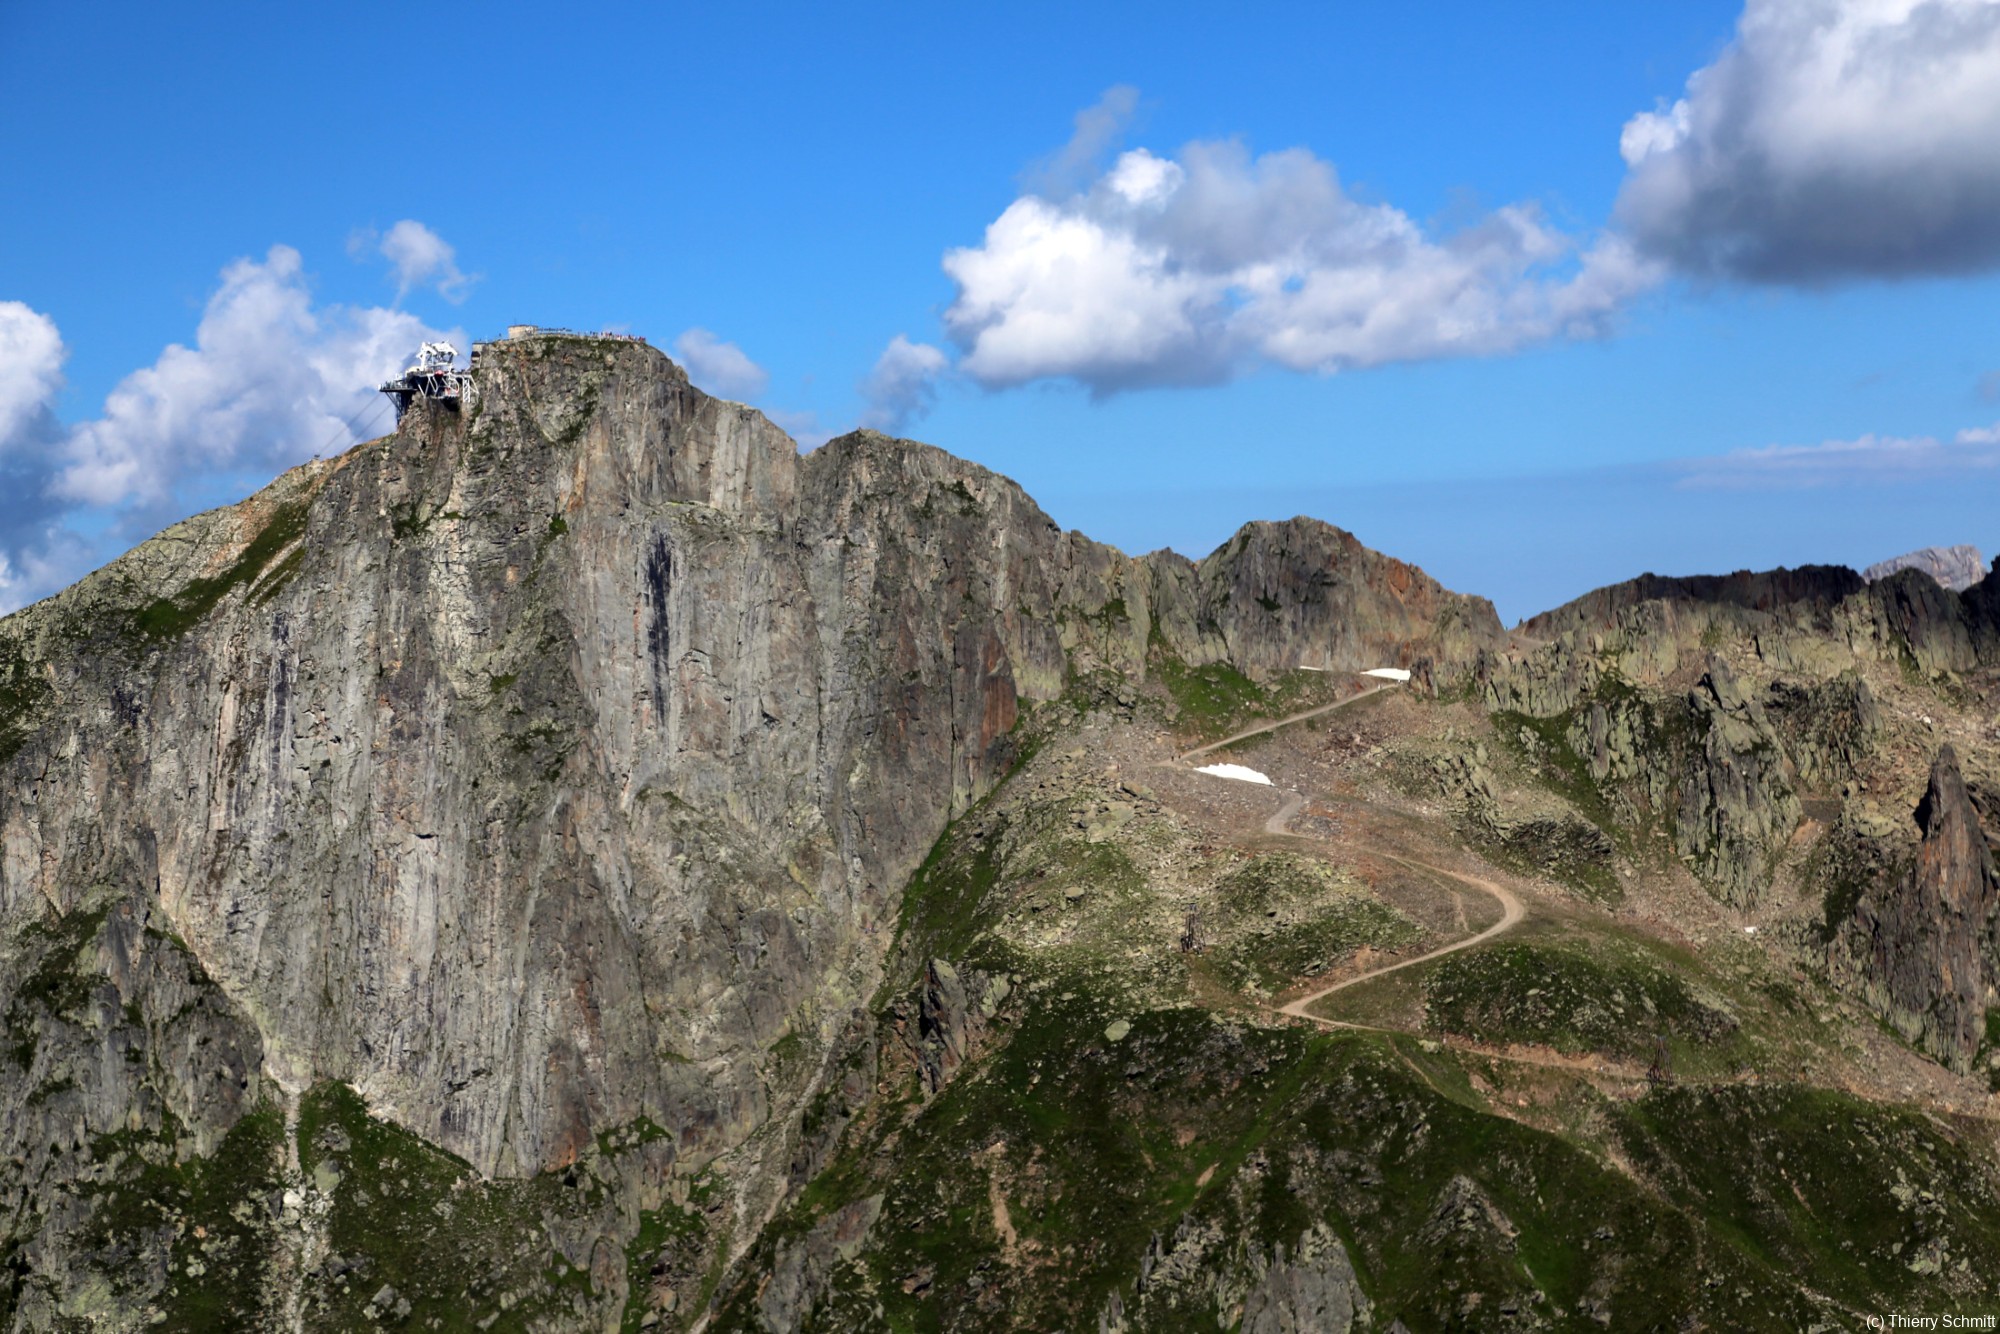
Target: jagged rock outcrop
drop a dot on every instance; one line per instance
(1819, 620)
(1711, 761)
(1309, 1287)
(1828, 727)
(1930, 936)
(1737, 805)
(953, 1007)
(1558, 844)
(117, 1040)
(1957, 568)
(1312, 1290)
(1727, 768)
(1813, 586)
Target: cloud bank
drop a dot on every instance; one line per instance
(1194, 267)
(1832, 140)
(270, 380)
(31, 358)
(1865, 461)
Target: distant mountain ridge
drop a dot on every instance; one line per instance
(1957, 568)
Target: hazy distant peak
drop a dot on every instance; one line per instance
(1957, 568)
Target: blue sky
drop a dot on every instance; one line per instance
(1461, 278)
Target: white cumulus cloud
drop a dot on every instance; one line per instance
(720, 368)
(418, 256)
(269, 382)
(903, 384)
(1190, 268)
(1832, 139)
(31, 358)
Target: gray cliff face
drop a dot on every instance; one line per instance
(515, 805)
(556, 767)
(1736, 799)
(1929, 937)
(1957, 568)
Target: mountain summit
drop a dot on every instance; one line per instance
(1957, 568)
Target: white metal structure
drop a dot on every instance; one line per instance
(433, 357)
(434, 375)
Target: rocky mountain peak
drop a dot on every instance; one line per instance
(1957, 568)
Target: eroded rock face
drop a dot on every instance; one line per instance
(1307, 1287)
(1828, 727)
(953, 1007)
(805, 1266)
(1931, 935)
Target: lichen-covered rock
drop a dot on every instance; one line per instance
(1828, 727)
(1312, 1290)
(128, 1085)
(1737, 804)
(949, 1021)
(804, 1267)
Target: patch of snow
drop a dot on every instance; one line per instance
(1389, 673)
(1240, 773)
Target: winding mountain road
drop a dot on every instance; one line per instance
(1512, 911)
(1286, 721)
